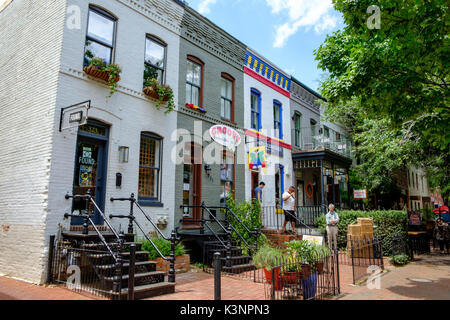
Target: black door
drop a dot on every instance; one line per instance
(90, 170)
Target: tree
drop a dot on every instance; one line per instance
(397, 76)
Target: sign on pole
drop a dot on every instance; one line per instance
(359, 193)
(74, 116)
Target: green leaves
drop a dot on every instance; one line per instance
(396, 81)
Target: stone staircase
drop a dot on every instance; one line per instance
(239, 262)
(278, 239)
(147, 281)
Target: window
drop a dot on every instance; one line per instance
(278, 128)
(100, 36)
(149, 167)
(255, 101)
(155, 57)
(194, 81)
(226, 97)
(297, 130)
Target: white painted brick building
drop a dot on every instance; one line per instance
(42, 71)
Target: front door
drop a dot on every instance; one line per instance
(192, 185)
(300, 193)
(90, 170)
(255, 183)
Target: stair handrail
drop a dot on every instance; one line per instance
(173, 238)
(299, 221)
(89, 198)
(102, 239)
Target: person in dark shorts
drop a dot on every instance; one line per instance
(289, 209)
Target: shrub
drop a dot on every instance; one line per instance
(163, 246)
(248, 212)
(267, 257)
(399, 259)
(387, 222)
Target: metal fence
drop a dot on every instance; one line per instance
(365, 255)
(415, 243)
(293, 279)
(77, 268)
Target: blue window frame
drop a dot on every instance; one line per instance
(277, 119)
(255, 102)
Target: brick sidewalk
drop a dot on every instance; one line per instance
(190, 286)
(426, 278)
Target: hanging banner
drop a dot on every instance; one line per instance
(257, 158)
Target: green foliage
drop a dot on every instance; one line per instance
(392, 84)
(387, 222)
(267, 257)
(399, 259)
(248, 212)
(164, 246)
(164, 92)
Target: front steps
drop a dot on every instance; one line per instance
(147, 281)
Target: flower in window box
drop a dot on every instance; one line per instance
(194, 107)
(109, 72)
(161, 93)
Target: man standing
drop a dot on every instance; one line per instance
(258, 196)
(332, 219)
(258, 191)
(289, 209)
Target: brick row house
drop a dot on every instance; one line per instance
(238, 120)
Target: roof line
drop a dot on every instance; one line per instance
(308, 88)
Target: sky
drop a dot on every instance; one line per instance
(286, 32)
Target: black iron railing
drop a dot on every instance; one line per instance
(365, 255)
(132, 219)
(120, 239)
(298, 279)
(273, 218)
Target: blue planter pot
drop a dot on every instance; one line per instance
(309, 286)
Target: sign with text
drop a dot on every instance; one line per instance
(225, 136)
(314, 239)
(359, 193)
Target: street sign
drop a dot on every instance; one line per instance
(74, 116)
(359, 193)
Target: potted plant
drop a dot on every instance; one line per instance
(161, 93)
(267, 257)
(99, 68)
(320, 254)
(182, 260)
(298, 253)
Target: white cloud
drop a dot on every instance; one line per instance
(204, 6)
(302, 13)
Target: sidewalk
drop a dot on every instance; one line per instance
(190, 286)
(426, 278)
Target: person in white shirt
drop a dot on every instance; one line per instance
(289, 209)
(332, 220)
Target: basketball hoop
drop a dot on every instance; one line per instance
(74, 116)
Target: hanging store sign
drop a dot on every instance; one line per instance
(257, 158)
(359, 193)
(225, 136)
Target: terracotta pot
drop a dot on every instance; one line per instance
(291, 277)
(319, 267)
(151, 92)
(278, 284)
(306, 270)
(103, 75)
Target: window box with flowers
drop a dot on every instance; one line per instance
(109, 72)
(161, 93)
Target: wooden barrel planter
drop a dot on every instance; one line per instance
(151, 92)
(103, 75)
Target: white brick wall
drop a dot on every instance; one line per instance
(30, 46)
(36, 159)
